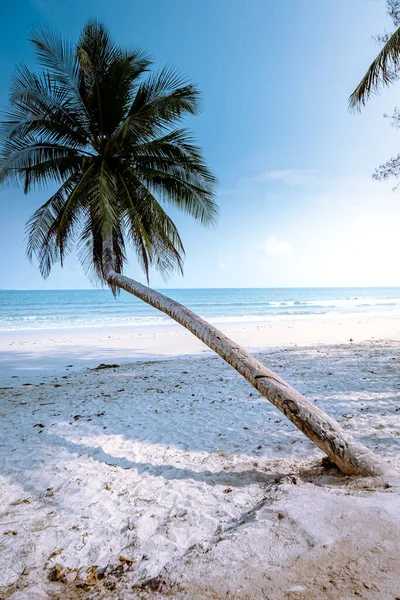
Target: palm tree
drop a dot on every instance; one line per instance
(384, 70)
(106, 132)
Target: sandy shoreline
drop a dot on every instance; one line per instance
(174, 478)
(32, 353)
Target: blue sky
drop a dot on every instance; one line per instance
(298, 204)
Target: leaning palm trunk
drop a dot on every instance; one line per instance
(352, 457)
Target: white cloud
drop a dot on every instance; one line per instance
(288, 176)
(225, 261)
(254, 184)
(276, 247)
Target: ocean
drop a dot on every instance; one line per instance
(66, 309)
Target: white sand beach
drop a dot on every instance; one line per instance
(171, 477)
(36, 352)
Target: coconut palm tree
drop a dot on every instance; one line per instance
(384, 70)
(96, 123)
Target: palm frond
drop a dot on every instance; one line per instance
(59, 58)
(109, 76)
(184, 189)
(90, 250)
(20, 157)
(159, 102)
(167, 93)
(152, 232)
(135, 228)
(42, 229)
(51, 171)
(41, 106)
(103, 200)
(382, 71)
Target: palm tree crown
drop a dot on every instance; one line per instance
(106, 132)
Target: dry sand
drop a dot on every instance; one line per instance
(174, 479)
(45, 351)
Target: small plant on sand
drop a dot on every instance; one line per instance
(105, 130)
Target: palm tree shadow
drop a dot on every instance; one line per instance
(169, 472)
(154, 418)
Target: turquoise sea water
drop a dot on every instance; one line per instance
(33, 310)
